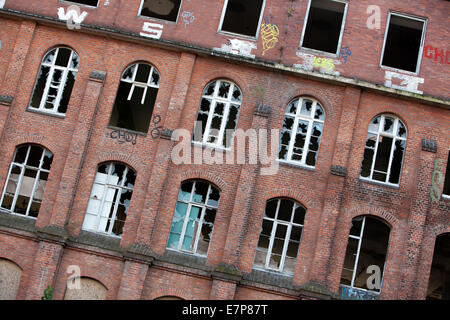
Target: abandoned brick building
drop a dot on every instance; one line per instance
(92, 93)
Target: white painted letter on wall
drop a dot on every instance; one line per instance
(152, 30)
(408, 83)
(73, 16)
(239, 47)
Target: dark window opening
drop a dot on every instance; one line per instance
(367, 246)
(136, 98)
(403, 42)
(92, 3)
(439, 282)
(324, 25)
(242, 17)
(447, 178)
(161, 9)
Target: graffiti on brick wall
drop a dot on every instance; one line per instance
(437, 180)
(123, 137)
(238, 47)
(152, 30)
(404, 82)
(73, 16)
(188, 17)
(345, 53)
(437, 54)
(356, 294)
(269, 35)
(156, 131)
(311, 62)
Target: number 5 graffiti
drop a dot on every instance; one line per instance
(437, 180)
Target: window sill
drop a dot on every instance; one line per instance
(157, 19)
(399, 70)
(209, 146)
(445, 197)
(238, 35)
(323, 53)
(17, 221)
(379, 183)
(185, 259)
(103, 234)
(271, 278)
(56, 115)
(296, 165)
(142, 134)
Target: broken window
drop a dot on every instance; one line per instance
(194, 216)
(446, 191)
(439, 282)
(27, 177)
(218, 114)
(403, 42)
(136, 98)
(324, 26)
(385, 149)
(110, 199)
(366, 254)
(161, 9)
(280, 236)
(55, 81)
(302, 132)
(242, 16)
(92, 3)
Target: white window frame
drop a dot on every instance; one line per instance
(158, 19)
(359, 238)
(391, 156)
(53, 67)
(200, 222)
(341, 35)
(144, 85)
(222, 17)
(287, 238)
(106, 187)
(422, 42)
(298, 117)
(23, 166)
(214, 100)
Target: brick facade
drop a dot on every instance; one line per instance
(138, 265)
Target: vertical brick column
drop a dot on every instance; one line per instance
(244, 195)
(420, 206)
(222, 290)
(335, 186)
(76, 154)
(45, 268)
(133, 279)
(162, 159)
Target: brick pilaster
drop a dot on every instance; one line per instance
(133, 278)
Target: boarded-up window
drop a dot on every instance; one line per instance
(89, 289)
(9, 280)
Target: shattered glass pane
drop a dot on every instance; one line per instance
(39, 87)
(209, 90)
(397, 160)
(320, 115)
(383, 154)
(401, 132)
(47, 161)
(205, 105)
(237, 97)
(311, 158)
(67, 91)
(306, 108)
(214, 197)
(21, 154)
(185, 191)
(34, 158)
(200, 190)
(285, 210)
(299, 215)
(388, 125)
(75, 61)
(128, 74)
(224, 89)
(50, 57)
(63, 57)
(218, 110)
(375, 124)
(271, 209)
(143, 73)
(231, 124)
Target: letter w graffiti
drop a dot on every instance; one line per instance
(72, 16)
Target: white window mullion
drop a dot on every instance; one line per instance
(285, 246)
(47, 88)
(307, 140)
(183, 231)
(60, 90)
(391, 155)
(113, 216)
(199, 228)
(357, 252)
(293, 137)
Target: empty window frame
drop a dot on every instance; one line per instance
(446, 192)
(384, 150)
(55, 81)
(324, 25)
(242, 17)
(135, 100)
(27, 177)
(403, 42)
(280, 236)
(367, 246)
(161, 9)
(302, 132)
(218, 114)
(110, 199)
(439, 281)
(194, 216)
(92, 3)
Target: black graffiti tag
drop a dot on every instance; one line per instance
(123, 137)
(156, 131)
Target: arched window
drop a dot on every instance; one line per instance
(85, 289)
(110, 199)
(218, 114)
(302, 132)
(55, 81)
(194, 216)
(439, 282)
(136, 98)
(10, 275)
(365, 258)
(280, 236)
(384, 151)
(27, 177)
